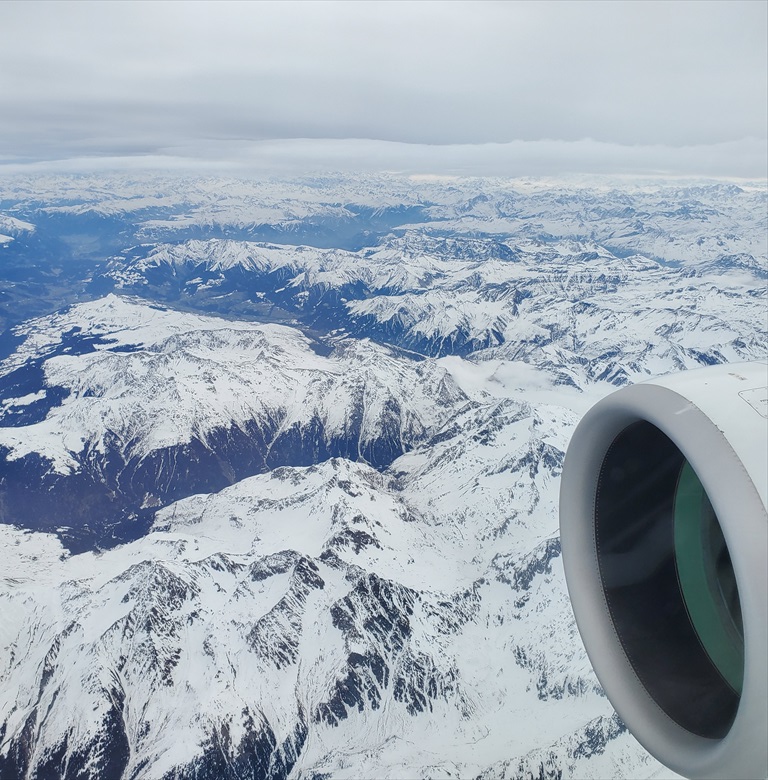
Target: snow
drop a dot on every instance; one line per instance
(514, 296)
(441, 547)
(188, 376)
(405, 621)
(14, 227)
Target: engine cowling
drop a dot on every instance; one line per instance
(664, 532)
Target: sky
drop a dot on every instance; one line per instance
(677, 87)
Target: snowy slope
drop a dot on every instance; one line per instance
(560, 303)
(135, 405)
(672, 222)
(10, 228)
(140, 362)
(328, 619)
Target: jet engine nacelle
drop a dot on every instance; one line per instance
(664, 534)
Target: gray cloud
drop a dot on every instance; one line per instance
(525, 82)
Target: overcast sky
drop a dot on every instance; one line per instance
(511, 88)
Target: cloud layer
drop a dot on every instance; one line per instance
(659, 86)
(747, 159)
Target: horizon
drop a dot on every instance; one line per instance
(457, 89)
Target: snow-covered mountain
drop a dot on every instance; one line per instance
(325, 620)
(556, 304)
(113, 408)
(10, 227)
(279, 463)
(690, 222)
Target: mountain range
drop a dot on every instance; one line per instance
(280, 459)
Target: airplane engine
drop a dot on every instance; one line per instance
(664, 534)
